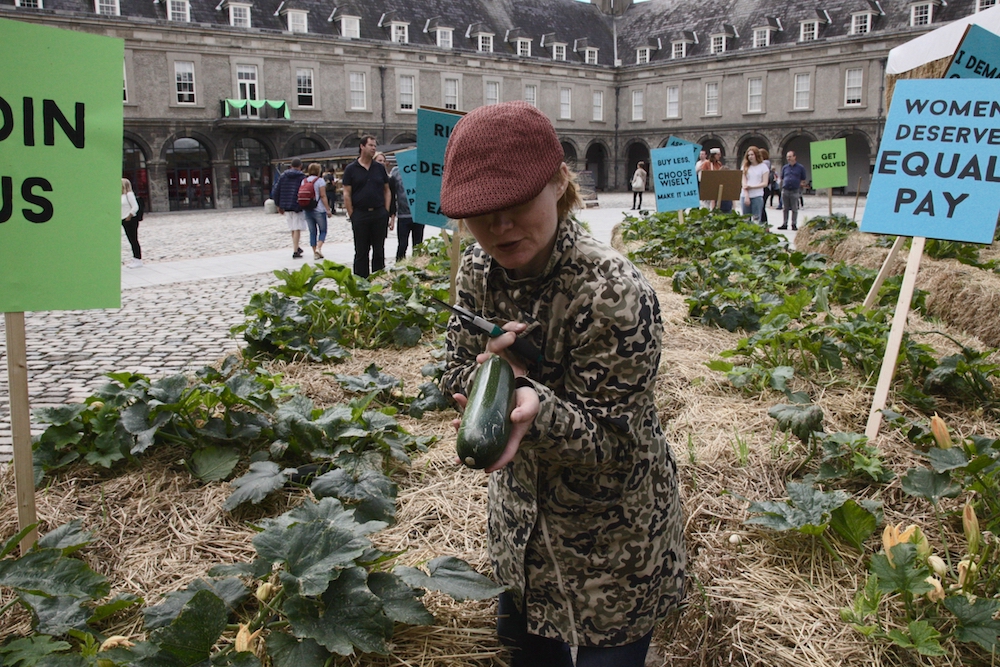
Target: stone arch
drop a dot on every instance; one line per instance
(710, 141)
(250, 173)
(635, 151)
(204, 139)
(570, 153)
(799, 143)
(748, 140)
(135, 167)
(303, 143)
(859, 159)
(404, 138)
(190, 177)
(595, 161)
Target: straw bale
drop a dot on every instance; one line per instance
(935, 69)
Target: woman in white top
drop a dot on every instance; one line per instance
(130, 209)
(638, 185)
(754, 182)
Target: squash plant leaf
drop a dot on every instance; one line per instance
(287, 651)
(59, 416)
(945, 460)
(370, 485)
(47, 572)
(12, 543)
(258, 569)
(213, 464)
(371, 380)
(400, 602)
(230, 590)
(314, 553)
(807, 510)
(349, 616)
(853, 523)
(452, 576)
(68, 537)
(29, 650)
(801, 420)
(920, 636)
(263, 478)
(329, 511)
(429, 399)
(113, 606)
(168, 390)
(975, 620)
(58, 614)
(189, 637)
(925, 483)
(904, 574)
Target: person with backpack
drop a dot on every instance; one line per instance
(285, 193)
(316, 205)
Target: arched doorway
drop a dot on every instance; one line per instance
(569, 154)
(747, 142)
(250, 173)
(134, 169)
(800, 146)
(858, 163)
(636, 152)
(189, 175)
(597, 164)
(708, 143)
(304, 146)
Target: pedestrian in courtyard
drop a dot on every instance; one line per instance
(367, 197)
(316, 218)
(285, 193)
(793, 177)
(130, 223)
(585, 522)
(400, 208)
(381, 159)
(638, 184)
(714, 163)
(765, 158)
(754, 181)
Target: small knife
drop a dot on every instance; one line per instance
(521, 346)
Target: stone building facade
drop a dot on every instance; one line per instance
(214, 91)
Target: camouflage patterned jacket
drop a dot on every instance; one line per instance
(585, 523)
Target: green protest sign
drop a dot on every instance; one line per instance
(829, 163)
(60, 169)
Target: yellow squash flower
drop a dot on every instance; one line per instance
(940, 432)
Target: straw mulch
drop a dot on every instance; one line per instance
(771, 600)
(966, 297)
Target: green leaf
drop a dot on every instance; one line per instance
(169, 390)
(904, 574)
(68, 537)
(258, 569)
(231, 591)
(60, 415)
(406, 336)
(452, 576)
(944, 460)
(975, 620)
(212, 464)
(925, 483)
(429, 399)
(371, 380)
(58, 614)
(47, 572)
(233, 659)
(113, 606)
(314, 553)
(853, 523)
(287, 651)
(801, 420)
(190, 637)
(719, 365)
(780, 377)
(263, 478)
(921, 636)
(350, 616)
(807, 510)
(400, 602)
(15, 540)
(371, 486)
(29, 650)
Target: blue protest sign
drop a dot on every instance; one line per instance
(433, 130)
(977, 57)
(674, 180)
(677, 141)
(407, 162)
(937, 170)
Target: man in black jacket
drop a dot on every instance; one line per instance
(367, 197)
(285, 193)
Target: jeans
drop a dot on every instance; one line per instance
(370, 229)
(316, 219)
(790, 204)
(404, 228)
(755, 207)
(529, 650)
(132, 233)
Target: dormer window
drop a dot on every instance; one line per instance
(107, 7)
(445, 37)
(178, 10)
(861, 23)
(761, 37)
(679, 50)
(29, 4)
(590, 55)
(718, 44)
(298, 20)
(523, 47)
(350, 26)
(400, 32)
(239, 13)
(808, 31)
(642, 55)
(558, 52)
(484, 42)
(921, 14)
(985, 4)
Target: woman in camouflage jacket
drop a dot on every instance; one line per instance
(585, 524)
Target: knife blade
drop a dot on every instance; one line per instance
(521, 346)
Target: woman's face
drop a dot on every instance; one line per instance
(521, 238)
(752, 156)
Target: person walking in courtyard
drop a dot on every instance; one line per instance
(405, 227)
(793, 176)
(585, 524)
(130, 223)
(367, 198)
(285, 193)
(638, 184)
(754, 181)
(316, 217)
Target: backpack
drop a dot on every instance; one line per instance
(307, 194)
(142, 210)
(772, 180)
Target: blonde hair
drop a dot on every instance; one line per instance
(571, 199)
(126, 185)
(314, 169)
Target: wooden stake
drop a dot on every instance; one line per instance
(20, 420)
(857, 196)
(883, 272)
(830, 200)
(454, 257)
(718, 200)
(680, 216)
(895, 337)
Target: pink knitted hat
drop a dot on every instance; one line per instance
(498, 156)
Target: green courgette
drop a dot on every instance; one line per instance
(485, 425)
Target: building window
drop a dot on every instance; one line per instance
(852, 87)
(673, 101)
(558, 52)
(298, 22)
(451, 93)
(407, 96)
(565, 103)
(178, 10)
(801, 91)
(598, 114)
(350, 27)
(524, 48)
(712, 98)
(808, 31)
(246, 78)
(492, 92)
(755, 95)
(531, 94)
(861, 23)
(359, 95)
(444, 38)
(638, 101)
(184, 78)
(239, 16)
(985, 4)
(642, 56)
(108, 7)
(920, 14)
(590, 56)
(484, 43)
(679, 50)
(761, 37)
(304, 86)
(400, 33)
(718, 43)
(30, 4)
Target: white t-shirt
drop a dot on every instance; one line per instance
(757, 173)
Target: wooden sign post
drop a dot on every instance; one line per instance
(20, 421)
